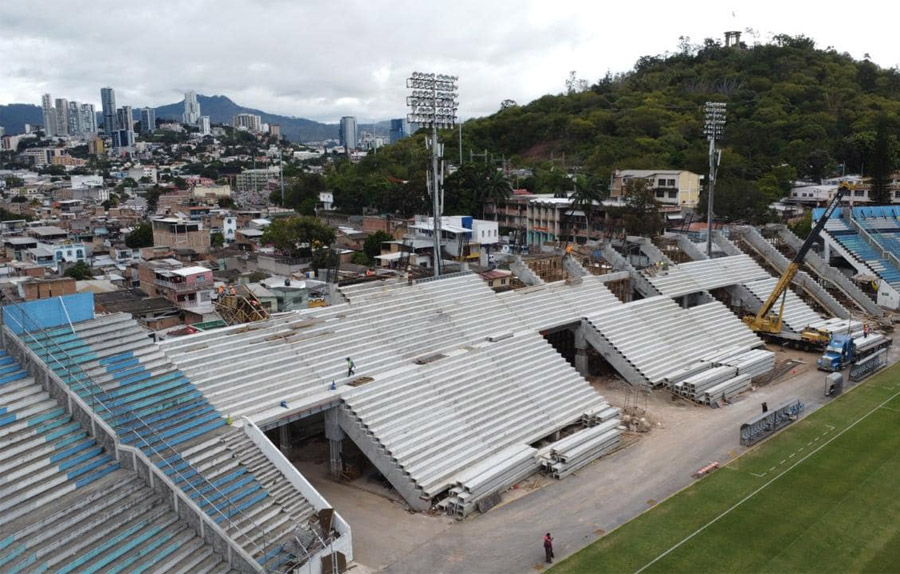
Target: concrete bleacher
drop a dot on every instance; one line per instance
(706, 274)
(514, 391)
(658, 337)
(112, 364)
(451, 347)
(66, 506)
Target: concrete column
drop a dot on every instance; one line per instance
(581, 356)
(284, 439)
(335, 435)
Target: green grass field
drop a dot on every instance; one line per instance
(822, 496)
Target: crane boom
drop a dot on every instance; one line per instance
(762, 321)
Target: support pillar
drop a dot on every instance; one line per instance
(284, 439)
(335, 435)
(581, 356)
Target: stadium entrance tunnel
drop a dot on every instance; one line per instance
(310, 442)
(585, 359)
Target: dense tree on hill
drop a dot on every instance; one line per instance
(640, 215)
(140, 236)
(793, 112)
(298, 236)
(79, 272)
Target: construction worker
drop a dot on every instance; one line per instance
(865, 330)
(350, 367)
(548, 548)
(232, 291)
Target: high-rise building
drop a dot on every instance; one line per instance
(275, 130)
(76, 122)
(88, 119)
(205, 127)
(148, 120)
(49, 115)
(124, 136)
(249, 122)
(62, 117)
(191, 113)
(399, 130)
(125, 118)
(108, 99)
(348, 133)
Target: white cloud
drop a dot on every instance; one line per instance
(323, 59)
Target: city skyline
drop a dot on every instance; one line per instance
(510, 51)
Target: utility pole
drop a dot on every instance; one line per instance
(281, 170)
(715, 125)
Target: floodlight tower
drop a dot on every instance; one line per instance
(433, 102)
(713, 128)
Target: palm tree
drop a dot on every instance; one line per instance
(588, 192)
(495, 189)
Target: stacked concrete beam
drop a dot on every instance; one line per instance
(492, 475)
(725, 390)
(579, 449)
(752, 363)
(694, 387)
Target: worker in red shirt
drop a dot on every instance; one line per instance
(548, 548)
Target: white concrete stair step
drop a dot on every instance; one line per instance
(166, 543)
(27, 450)
(191, 545)
(34, 469)
(28, 431)
(100, 524)
(103, 545)
(128, 549)
(11, 391)
(190, 562)
(32, 494)
(211, 564)
(23, 403)
(69, 510)
(259, 514)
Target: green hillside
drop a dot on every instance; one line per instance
(793, 111)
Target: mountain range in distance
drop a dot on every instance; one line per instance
(220, 110)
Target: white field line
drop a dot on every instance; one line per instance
(761, 488)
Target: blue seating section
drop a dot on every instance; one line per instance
(112, 364)
(882, 222)
(44, 454)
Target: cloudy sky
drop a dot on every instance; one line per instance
(322, 59)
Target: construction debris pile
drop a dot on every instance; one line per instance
(565, 456)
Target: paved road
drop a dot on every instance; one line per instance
(606, 494)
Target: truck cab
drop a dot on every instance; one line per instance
(838, 353)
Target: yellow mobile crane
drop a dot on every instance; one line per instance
(769, 325)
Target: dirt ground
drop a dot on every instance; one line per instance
(577, 510)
